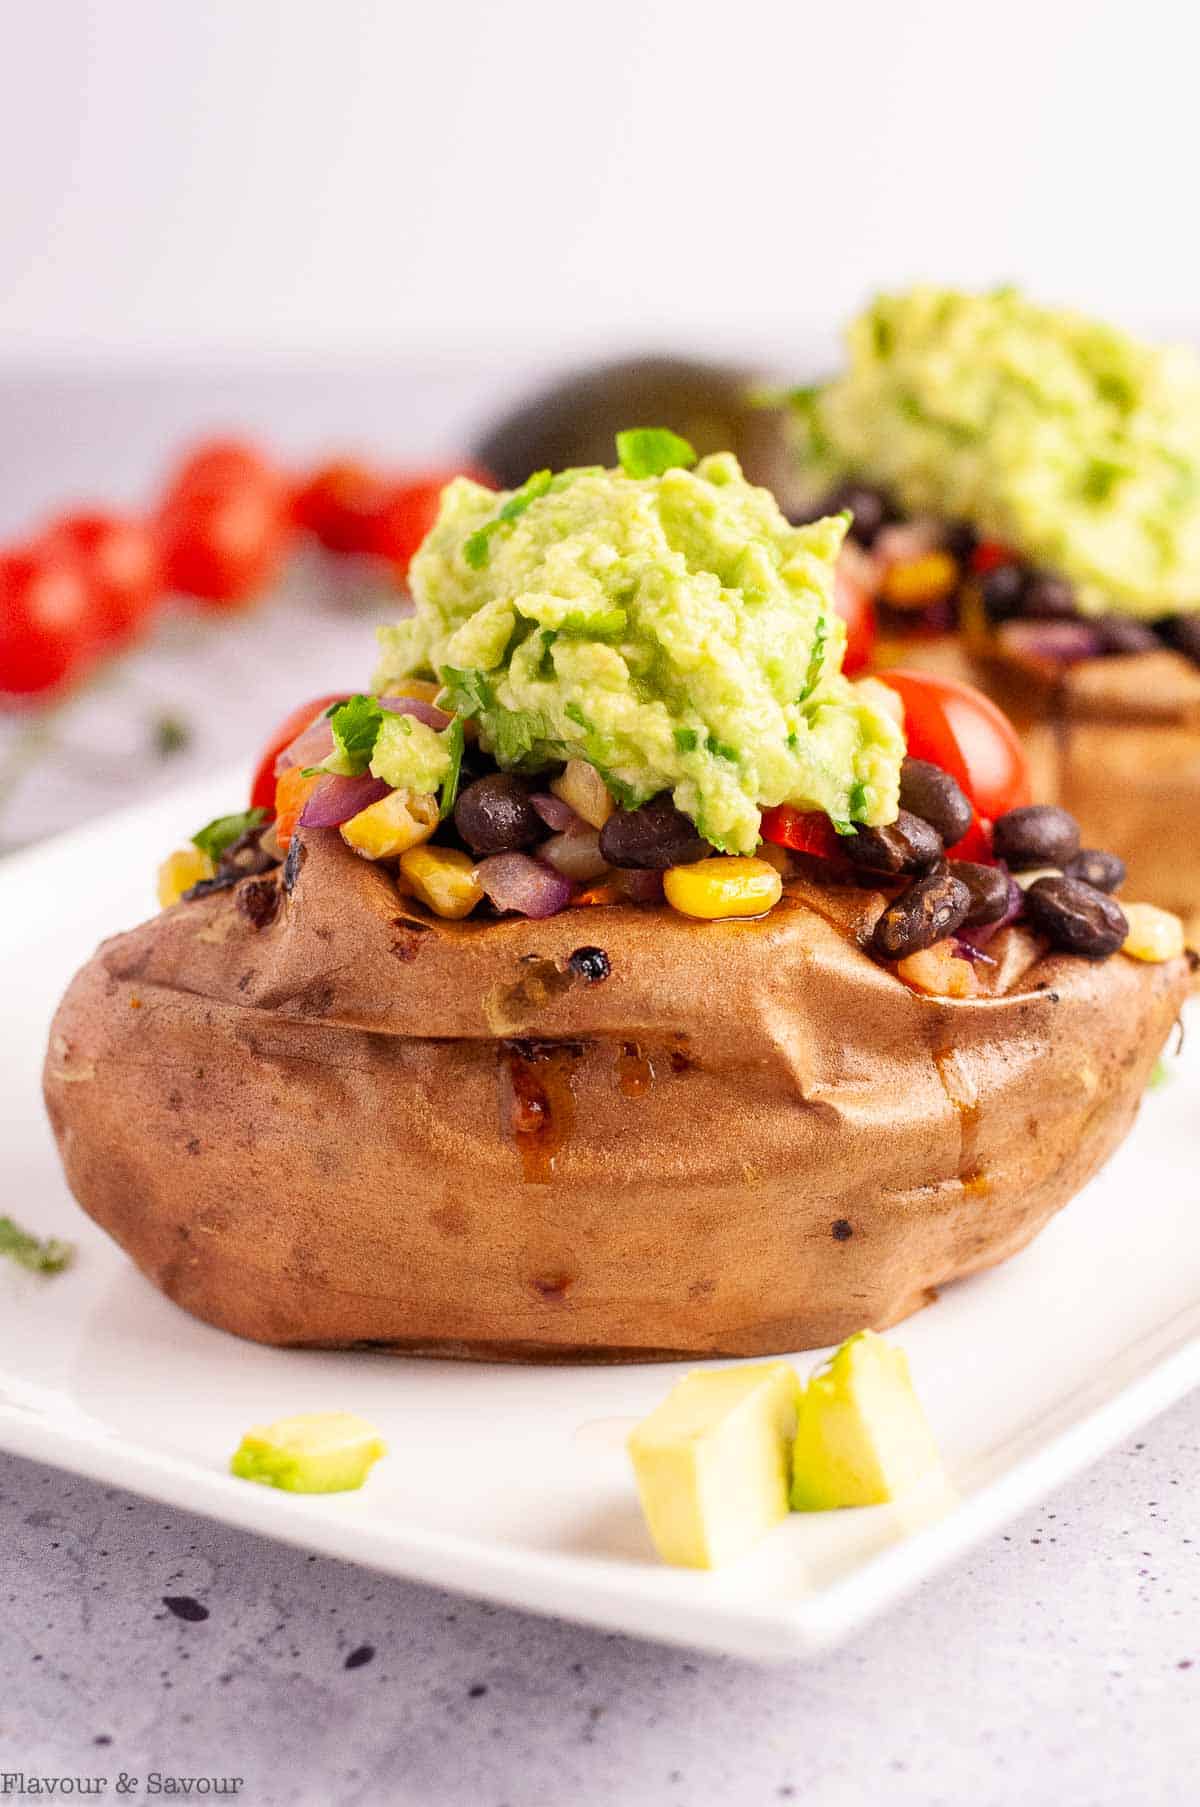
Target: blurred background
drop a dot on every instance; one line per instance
(370, 230)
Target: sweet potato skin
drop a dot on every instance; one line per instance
(352, 1125)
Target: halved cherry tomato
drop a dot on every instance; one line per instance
(957, 727)
(341, 504)
(857, 609)
(262, 791)
(410, 509)
(46, 633)
(292, 792)
(803, 830)
(119, 558)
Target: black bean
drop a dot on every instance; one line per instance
(1048, 598)
(1118, 634)
(1183, 633)
(590, 964)
(653, 837)
(927, 912)
(869, 506)
(988, 886)
(961, 541)
(1103, 871)
(1038, 835)
(931, 793)
(1003, 590)
(494, 815)
(909, 844)
(1076, 917)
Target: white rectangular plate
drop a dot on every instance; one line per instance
(512, 1482)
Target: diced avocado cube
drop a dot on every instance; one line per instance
(316, 1452)
(711, 1462)
(862, 1438)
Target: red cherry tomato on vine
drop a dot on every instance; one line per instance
(224, 545)
(857, 609)
(46, 633)
(340, 503)
(262, 790)
(960, 729)
(803, 830)
(119, 558)
(409, 510)
(222, 464)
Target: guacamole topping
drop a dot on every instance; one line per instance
(669, 628)
(1074, 443)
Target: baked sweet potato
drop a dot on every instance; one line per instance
(325, 1118)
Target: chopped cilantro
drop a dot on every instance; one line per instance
(686, 740)
(356, 724)
(649, 451)
(720, 750)
(816, 660)
(575, 714)
(842, 827)
(449, 791)
(545, 664)
(48, 1257)
(469, 690)
(216, 836)
(478, 545)
(858, 801)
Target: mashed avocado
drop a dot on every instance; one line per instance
(671, 629)
(1070, 441)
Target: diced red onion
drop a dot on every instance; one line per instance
(576, 856)
(1058, 642)
(514, 881)
(310, 747)
(429, 713)
(554, 812)
(977, 938)
(641, 887)
(336, 799)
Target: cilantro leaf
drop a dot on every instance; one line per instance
(48, 1257)
(469, 690)
(478, 545)
(720, 750)
(816, 660)
(216, 836)
(649, 451)
(686, 740)
(858, 801)
(355, 725)
(449, 792)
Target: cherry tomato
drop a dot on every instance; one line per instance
(224, 463)
(262, 791)
(119, 558)
(410, 509)
(960, 729)
(803, 830)
(223, 545)
(857, 609)
(341, 504)
(46, 634)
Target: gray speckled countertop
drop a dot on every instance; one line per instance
(1060, 1664)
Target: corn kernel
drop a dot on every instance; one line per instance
(398, 821)
(186, 867)
(1154, 934)
(581, 785)
(940, 971)
(916, 583)
(723, 886)
(443, 878)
